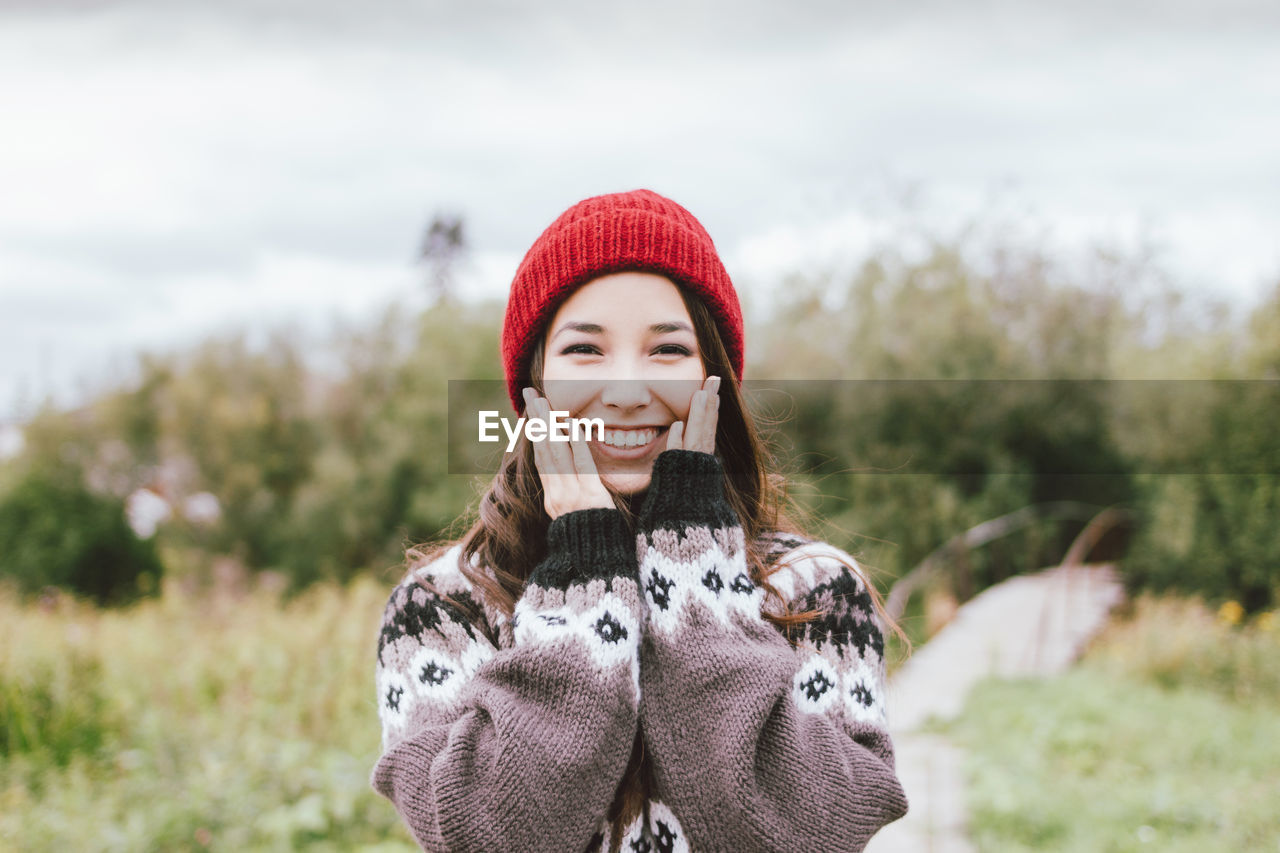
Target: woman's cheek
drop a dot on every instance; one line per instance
(569, 395)
(677, 394)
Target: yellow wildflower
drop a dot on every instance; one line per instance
(1231, 612)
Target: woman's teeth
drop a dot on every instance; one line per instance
(629, 437)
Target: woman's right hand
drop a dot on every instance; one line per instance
(570, 481)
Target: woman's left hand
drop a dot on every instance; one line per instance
(704, 412)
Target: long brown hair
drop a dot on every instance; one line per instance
(508, 539)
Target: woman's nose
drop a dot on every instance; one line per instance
(626, 390)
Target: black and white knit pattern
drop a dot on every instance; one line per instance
(427, 649)
(844, 667)
(665, 831)
(602, 622)
(703, 567)
(655, 830)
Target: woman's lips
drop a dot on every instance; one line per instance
(621, 450)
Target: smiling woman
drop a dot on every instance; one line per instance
(634, 648)
(622, 349)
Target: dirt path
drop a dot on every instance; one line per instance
(1030, 625)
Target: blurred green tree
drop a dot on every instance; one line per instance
(1212, 528)
(973, 384)
(970, 381)
(55, 531)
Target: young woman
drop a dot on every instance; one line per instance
(633, 648)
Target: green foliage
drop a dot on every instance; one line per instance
(1214, 532)
(975, 379)
(318, 475)
(1213, 535)
(1211, 530)
(382, 479)
(950, 407)
(244, 425)
(55, 531)
(1178, 644)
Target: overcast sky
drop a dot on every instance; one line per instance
(170, 169)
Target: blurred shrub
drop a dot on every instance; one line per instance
(381, 479)
(936, 403)
(1212, 535)
(1212, 531)
(321, 470)
(1177, 643)
(55, 531)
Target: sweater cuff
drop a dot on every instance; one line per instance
(686, 488)
(584, 545)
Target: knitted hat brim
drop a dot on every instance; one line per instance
(600, 244)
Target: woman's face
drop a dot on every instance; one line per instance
(622, 348)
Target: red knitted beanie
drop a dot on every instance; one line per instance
(637, 230)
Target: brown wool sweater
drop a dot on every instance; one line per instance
(513, 734)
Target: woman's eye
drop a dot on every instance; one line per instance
(673, 349)
(581, 349)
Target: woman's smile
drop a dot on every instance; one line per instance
(630, 443)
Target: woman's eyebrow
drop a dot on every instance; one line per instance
(661, 328)
(589, 328)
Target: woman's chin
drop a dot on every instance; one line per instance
(627, 482)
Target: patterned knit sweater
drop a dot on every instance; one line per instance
(513, 734)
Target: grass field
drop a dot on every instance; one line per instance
(1167, 738)
(193, 723)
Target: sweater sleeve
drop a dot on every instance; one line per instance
(756, 745)
(519, 748)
